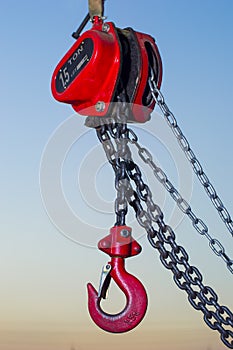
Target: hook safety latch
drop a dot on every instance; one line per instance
(118, 245)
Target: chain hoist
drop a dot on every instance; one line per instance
(113, 76)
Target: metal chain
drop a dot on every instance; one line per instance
(196, 165)
(172, 256)
(118, 157)
(175, 258)
(189, 279)
(113, 156)
(199, 225)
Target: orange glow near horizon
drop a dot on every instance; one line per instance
(180, 338)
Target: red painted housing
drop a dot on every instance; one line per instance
(89, 71)
(102, 62)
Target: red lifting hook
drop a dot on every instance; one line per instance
(119, 245)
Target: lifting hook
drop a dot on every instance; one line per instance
(119, 245)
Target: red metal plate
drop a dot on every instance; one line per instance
(87, 75)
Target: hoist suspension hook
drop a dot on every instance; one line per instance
(119, 245)
(96, 8)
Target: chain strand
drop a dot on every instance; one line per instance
(175, 258)
(185, 146)
(183, 205)
(189, 279)
(172, 256)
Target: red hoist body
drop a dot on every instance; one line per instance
(107, 65)
(104, 61)
(104, 66)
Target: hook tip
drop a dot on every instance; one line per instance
(92, 292)
(125, 320)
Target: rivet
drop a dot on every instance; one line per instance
(105, 27)
(100, 106)
(125, 233)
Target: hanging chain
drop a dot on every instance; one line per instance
(182, 204)
(196, 165)
(189, 279)
(172, 256)
(175, 258)
(121, 207)
(121, 179)
(119, 157)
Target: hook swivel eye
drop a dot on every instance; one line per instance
(136, 301)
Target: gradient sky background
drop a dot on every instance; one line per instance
(43, 274)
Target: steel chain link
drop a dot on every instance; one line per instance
(175, 258)
(172, 256)
(118, 157)
(114, 157)
(189, 279)
(183, 205)
(185, 146)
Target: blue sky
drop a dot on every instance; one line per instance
(43, 273)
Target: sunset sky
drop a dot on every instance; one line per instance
(57, 190)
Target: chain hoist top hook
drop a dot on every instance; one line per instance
(96, 8)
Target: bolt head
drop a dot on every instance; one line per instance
(100, 106)
(125, 233)
(105, 244)
(105, 27)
